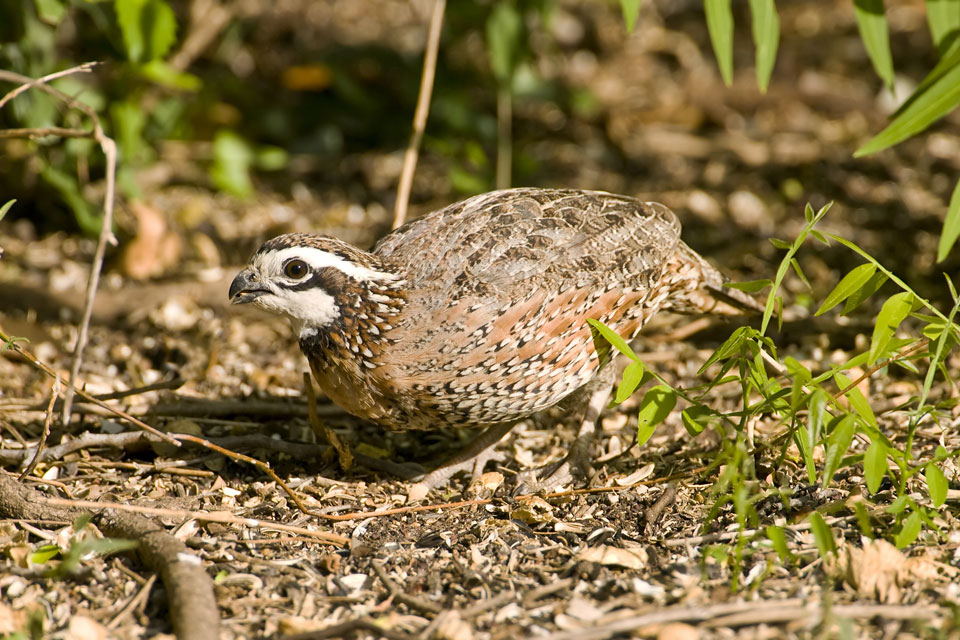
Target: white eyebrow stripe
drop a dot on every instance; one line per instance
(272, 262)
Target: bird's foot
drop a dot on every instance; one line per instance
(574, 469)
(471, 458)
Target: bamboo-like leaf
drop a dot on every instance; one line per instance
(876, 37)
(5, 208)
(864, 293)
(944, 19)
(766, 39)
(937, 484)
(928, 104)
(893, 312)
(720, 26)
(875, 465)
(849, 284)
(656, 405)
(750, 286)
(632, 376)
(630, 9)
(857, 400)
(611, 336)
(951, 225)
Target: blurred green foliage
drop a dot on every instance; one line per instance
(330, 101)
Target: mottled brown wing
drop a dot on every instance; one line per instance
(533, 238)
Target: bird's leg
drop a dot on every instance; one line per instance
(576, 465)
(473, 457)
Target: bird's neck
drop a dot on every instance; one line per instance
(366, 313)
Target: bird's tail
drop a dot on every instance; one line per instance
(697, 287)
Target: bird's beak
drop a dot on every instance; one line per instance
(245, 288)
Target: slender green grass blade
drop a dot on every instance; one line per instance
(630, 9)
(720, 26)
(926, 106)
(766, 39)
(876, 37)
(944, 19)
(951, 225)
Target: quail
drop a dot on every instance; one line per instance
(475, 315)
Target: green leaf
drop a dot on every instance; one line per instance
(850, 283)
(720, 26)
(149, 28)
(936, 96)
(937, 484)
(776, 535)
(163, 74)
(951, 225)
(837, 445)
(857, 400)
(750, 286)
(875, 465)
(656, 405)
(894, 310)
(822, 535)
(50, 11)
(909, 531)
(232, 157)
(766, 39)
(864, 293)
(44, 554)
(779, 244)
(875, 36)
(504, 32)
(5, 208)
(899, 505)
(944, 19)
(613, 338)
(863, 519)
(690, 417)
(632, 376)
(630, 9)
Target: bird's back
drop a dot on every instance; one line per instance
(499, 290)
(496, 243)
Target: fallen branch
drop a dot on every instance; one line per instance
(193, 607)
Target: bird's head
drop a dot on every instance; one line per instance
(316, 281)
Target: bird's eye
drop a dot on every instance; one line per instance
(295, 269)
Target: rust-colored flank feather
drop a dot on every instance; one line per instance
(476, 314)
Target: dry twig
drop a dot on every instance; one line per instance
(54, 394)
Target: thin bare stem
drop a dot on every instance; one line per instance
(43, 132)
(420, 115)
(504, 137)
(31, 83)
(109, 148)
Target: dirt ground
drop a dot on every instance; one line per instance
(633, 555)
